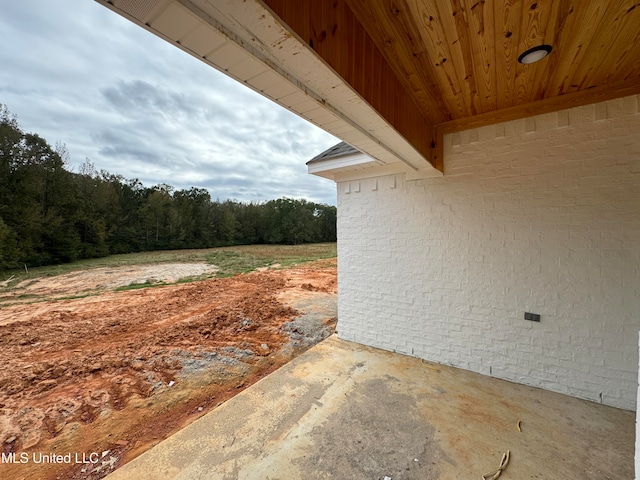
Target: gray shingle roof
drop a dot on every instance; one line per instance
(339, 150)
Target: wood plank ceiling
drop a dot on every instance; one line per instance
(456, 60)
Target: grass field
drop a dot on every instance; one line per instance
(231, 260)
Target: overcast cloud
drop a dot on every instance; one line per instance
(74, 72)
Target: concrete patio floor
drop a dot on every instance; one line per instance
(342, 410)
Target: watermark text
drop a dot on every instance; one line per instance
(58, 458)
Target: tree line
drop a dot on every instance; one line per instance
(49, 214)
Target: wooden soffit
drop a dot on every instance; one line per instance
(456, 60)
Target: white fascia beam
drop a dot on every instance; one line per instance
(207, 29)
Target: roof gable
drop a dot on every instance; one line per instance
(340, 150)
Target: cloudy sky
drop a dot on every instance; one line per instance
(74, 72)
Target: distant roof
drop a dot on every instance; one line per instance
(339, 150)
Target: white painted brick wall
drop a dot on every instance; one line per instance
(539, 215)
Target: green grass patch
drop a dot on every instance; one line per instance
(231, 260)
(75, 297)
(243, 259)
(26, 296)
(138, 286)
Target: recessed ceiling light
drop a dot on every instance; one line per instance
(534, 54)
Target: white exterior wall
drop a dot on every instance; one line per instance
(537, 215)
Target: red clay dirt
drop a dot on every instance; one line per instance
(99, 380)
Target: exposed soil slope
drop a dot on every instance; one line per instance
(112, 374)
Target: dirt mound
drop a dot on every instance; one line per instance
(119, 371)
